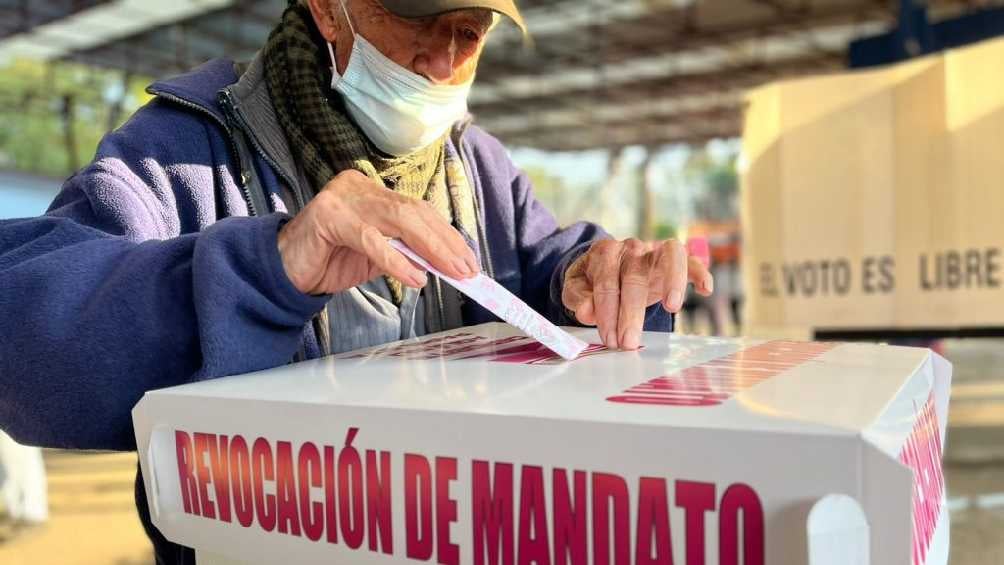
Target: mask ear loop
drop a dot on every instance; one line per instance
(331, 49)
(331, 53)
(345, 11)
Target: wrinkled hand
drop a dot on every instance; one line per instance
(339, 240)
(613, 283)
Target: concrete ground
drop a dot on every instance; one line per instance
(94, 521)
(975, 452)
(93, 518)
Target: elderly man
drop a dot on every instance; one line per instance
(240, 221)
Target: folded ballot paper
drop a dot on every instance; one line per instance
(481, 446)
(507, 306)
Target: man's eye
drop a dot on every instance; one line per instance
(471, 35)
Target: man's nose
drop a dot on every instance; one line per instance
(437, 55)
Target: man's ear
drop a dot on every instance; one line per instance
(328, 18)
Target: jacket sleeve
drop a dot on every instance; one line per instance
(100, 303)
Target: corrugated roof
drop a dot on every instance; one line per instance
(599, 73)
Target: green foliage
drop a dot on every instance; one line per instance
(664, 231)
(550, 189)
(717, 180)
(33, 97)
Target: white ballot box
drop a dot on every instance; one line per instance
(479, 446)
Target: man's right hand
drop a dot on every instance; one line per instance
(339, 240)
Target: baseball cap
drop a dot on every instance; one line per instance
(422, 8)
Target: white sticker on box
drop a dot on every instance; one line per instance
(508, 306)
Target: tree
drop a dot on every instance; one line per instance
(717, 181)
(50, 109)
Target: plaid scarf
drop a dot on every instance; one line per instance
(323, 138)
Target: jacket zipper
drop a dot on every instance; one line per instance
(226, 97)
(230, 137)
(441, 303)
(228, 105)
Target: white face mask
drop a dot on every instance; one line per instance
(398, 110)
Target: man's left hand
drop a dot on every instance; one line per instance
(612, 284)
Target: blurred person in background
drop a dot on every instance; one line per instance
(23, 488)
(721, 311)
(240, 221)
(694, 303)
(726, 247)
(23, 497)
(697, 308)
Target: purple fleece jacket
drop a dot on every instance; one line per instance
(148, 271)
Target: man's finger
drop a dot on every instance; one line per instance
(700, 276)
(464, 257)
(636, 267)
(373, 243)
(586, 314)
(604, 273)
(576, 295)
(431, 246)
(434, 240)
(673, 264)
(656, 278)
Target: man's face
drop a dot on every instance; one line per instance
(443, 49)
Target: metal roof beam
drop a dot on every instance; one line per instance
(666, 87)
(179, 46)
(101, 24)
(623, 136)
(658, 32)
(20, 16)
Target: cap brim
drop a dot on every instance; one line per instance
(413, 9)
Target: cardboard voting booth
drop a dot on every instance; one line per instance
(480, 446)
(872, 199)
